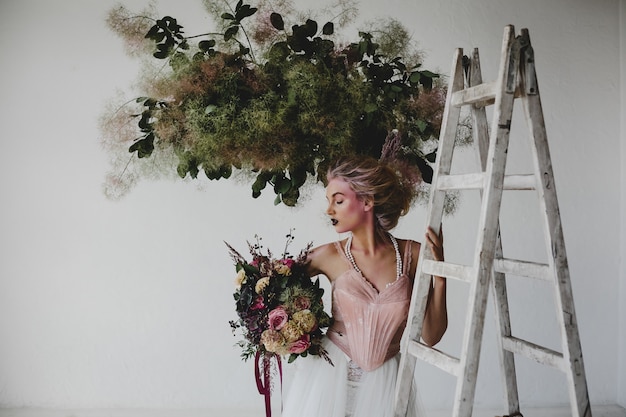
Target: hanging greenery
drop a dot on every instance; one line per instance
(275, 100)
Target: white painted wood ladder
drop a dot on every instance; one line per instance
(516, 80)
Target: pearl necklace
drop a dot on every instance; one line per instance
(394, 242)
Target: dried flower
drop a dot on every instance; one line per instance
(305, 320)
(273, 341)
(132, 28)
(292, 331)
(282, 267)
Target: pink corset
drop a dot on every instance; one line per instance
(369, 324)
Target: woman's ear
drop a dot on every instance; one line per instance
(368, 203)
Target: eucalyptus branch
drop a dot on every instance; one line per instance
(130, 159)
(249, 44)
(139, 17)
(343, 12)
(204, 34)
(118, 109)
(244, 33)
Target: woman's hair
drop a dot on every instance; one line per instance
(370, 178)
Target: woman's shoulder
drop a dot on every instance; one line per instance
(324, 258)
(414, 247)
(413, 244)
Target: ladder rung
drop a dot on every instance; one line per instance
(535, 352)
(523, 268)
(485, 92)
(476, 181)
(461, 181)
(435, 357)
(447, 270)
(480, 95)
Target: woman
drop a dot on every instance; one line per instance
(371, 273)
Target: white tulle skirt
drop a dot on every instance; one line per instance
(318, 389)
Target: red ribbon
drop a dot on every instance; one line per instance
(265, 385)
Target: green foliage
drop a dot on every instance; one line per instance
(167, 34)
(286, 116)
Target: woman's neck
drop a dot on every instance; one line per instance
(369, 240)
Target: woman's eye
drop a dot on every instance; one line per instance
(339, 202)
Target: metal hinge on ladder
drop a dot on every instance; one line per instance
(516, 80)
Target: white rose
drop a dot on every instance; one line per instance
(240, 278)
(261, 284)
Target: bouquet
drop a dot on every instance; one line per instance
(280, 308)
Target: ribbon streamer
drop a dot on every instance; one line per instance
(264, 385)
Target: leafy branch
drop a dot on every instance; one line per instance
(284, 116)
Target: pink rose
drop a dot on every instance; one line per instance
(300, 345)
(277, 318)
(258, 303)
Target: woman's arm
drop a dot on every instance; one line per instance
(322, 260)
(436, 316)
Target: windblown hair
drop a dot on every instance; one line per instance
(378, 181)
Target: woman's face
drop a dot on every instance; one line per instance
(345, 209)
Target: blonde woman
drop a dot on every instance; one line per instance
(371, 274)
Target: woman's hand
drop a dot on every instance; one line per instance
(435, 243)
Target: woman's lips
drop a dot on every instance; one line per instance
(334, 221)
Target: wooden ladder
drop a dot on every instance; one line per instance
(516, 79)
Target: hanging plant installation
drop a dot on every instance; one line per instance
(279, 102)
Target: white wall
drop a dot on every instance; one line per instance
(622, 275)
(126, 304)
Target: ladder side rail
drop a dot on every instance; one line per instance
(572, 350)
(498, 280)
(412, 332)
(503, 324)
(435, 210)
(487, 227)
(480, 126)
(422, 283)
